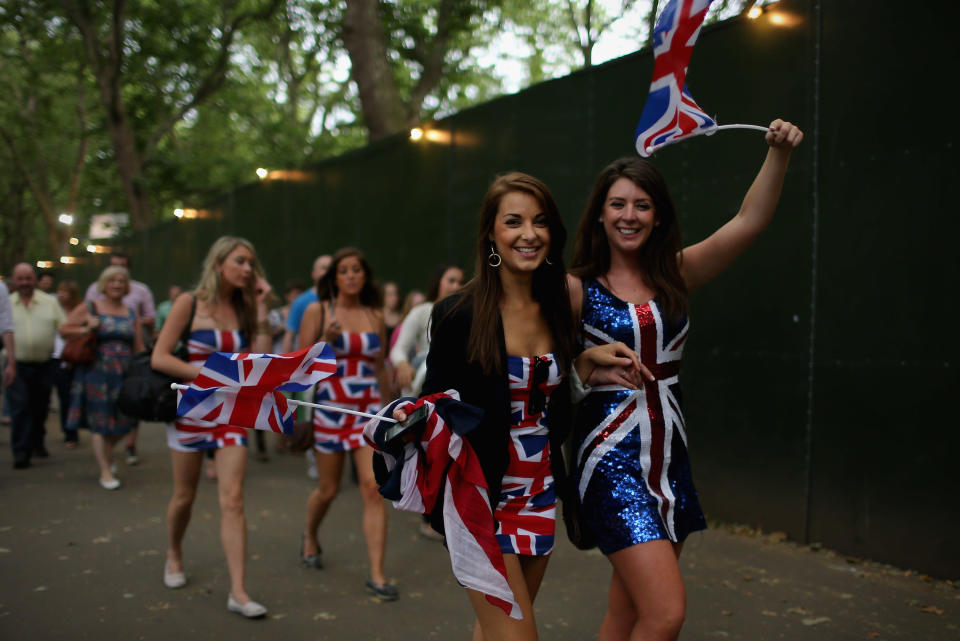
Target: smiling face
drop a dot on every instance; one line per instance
(628, 216)
(237, 269)
(521, 232)
(350, 276)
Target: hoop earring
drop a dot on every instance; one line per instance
(494, 259)
(547, 261)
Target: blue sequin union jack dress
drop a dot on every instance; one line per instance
(632, 471)
(353, 387)
(526, 512)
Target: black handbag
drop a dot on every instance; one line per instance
(146, 393)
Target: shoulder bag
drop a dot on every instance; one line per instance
(81, 349)
(145, 393)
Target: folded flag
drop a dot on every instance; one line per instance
(245, 390)
(442, 460)
(671, 114)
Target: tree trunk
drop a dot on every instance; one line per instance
(106, 67)
(383, 109)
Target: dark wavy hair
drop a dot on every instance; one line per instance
(327, 285)
(658, 257)
(485, 290)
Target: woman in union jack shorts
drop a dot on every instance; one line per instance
(505, 343)
(227, 312)
(348, 317)
(631, 472)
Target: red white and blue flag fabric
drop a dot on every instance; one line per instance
(671, 114)
(245, 390)
(414, 474)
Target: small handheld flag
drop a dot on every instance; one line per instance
(246, 389)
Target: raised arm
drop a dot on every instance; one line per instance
(262, 340)
(379, 364)
(310, 325)
(704, 261)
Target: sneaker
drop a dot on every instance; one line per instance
(132, 458)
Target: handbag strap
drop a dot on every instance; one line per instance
(185, 335)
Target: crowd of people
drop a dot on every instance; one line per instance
(524, 339)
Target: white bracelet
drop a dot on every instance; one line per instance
(578, 389)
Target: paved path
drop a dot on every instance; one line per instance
(77, 562)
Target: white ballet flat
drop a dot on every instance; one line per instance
(251, 609)
(173, 580)
(110, 485)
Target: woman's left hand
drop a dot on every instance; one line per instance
(784, 135)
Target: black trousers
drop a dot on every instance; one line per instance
(29, 399)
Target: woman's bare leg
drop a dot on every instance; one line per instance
(186, 474)
(374, 513)
(231, 465)
(533, 568)
(647, 600)
(329, 471)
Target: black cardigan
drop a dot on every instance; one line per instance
(447, 368)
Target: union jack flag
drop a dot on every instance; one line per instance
(671, 113)
(443, 461)
(245, 390)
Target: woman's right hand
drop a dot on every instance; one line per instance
(404, 374)
(399, 415)
(332, 331)
(613, 363)
(93, 322)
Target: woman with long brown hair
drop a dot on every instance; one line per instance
(632, 474)
(226, 312)
(505, 342)
(348, 317)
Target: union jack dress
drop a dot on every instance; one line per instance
(353, 387)
(192, 435)
(632, 470)
(526, 512)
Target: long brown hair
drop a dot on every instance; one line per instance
(658, 256)
(327, 285)
(485, 290)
